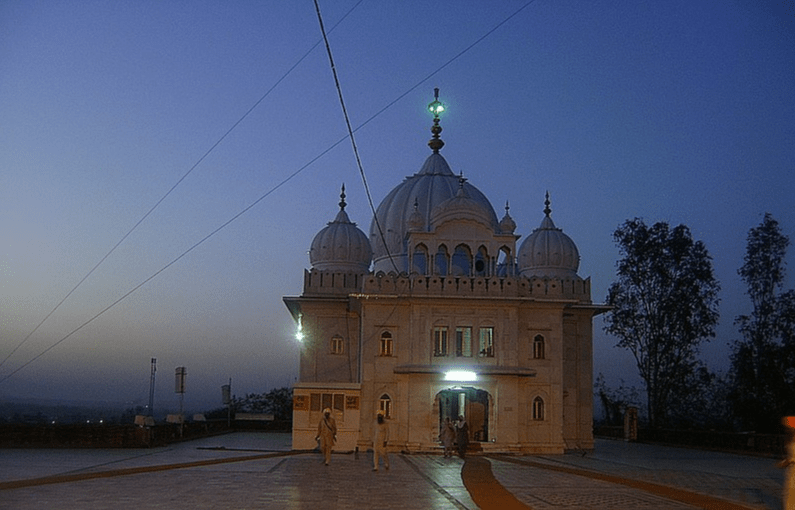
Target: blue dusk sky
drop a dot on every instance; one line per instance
(679, 111)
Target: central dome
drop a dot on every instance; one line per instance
(423, 192)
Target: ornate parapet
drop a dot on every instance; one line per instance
(332, 283)
(466, 286)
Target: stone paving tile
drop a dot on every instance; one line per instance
(542, 490)
(297, 482)
(759, 485)
(415, 481)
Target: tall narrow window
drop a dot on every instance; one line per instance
(385, 405)
(440, 341)
(486, 344)
(462, 261)
(504, 267)
(442, 259)
(420, 259)
(481, 262)
(538, 409)
(538, 347)
(386, 344)
(463, 341)
(337, 344)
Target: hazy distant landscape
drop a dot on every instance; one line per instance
(44, 411)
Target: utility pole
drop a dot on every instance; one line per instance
(152, 388)
(226, 398)
(179, 387)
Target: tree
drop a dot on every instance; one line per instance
(763, 362)
(664, 304)
(278, 402)
(615, 401)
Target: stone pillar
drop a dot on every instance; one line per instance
(631, 424)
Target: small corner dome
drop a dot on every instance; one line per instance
(548, 252)
(341, 245)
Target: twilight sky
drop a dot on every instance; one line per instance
(675, 111)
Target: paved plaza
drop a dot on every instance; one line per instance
(258, 470)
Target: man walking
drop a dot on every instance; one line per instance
(380, 439)
(327, 434)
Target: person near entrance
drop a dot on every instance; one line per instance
(380, 439)
(462, 436)
(447, 437)
(327, 434)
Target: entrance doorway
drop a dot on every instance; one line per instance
(472, 403)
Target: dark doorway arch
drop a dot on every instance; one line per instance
(471, 402)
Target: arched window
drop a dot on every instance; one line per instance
(538, 409)
(441, 261)
(420, 259)
(462, 261)
(538, 347)
(386, 344)
(504, 263)
(337, 344)
(385, 405)
(482, 262)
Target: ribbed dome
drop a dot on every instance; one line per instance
(431, 186)
(548, 252)
(462, 207)
(341, 245)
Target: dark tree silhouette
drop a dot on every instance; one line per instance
(763, 362)
(664, 305)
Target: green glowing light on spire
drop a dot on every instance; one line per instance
(436, 107)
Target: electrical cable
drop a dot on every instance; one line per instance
(353, 139)
(179, 181)
(250, 206)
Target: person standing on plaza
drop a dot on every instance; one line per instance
(380, 439)
(327, 434)
(462, 436)
(447, 437)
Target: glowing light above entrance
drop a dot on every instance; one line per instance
(460, 375)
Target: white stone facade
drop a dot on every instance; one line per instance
(458, 298)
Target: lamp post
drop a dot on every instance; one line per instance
(179, 387)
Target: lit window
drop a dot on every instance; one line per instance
(486, 347)
(538, 409)
(385, 405)
(463, 341)
(337, 345)
(538, 347)
(386, 344)
(440, 341)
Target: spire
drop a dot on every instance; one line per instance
(342, 216)
(547, 210)
(342, 198)
(436, 108)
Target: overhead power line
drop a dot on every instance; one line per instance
(250, 206)
(176, 184)
(353, 139)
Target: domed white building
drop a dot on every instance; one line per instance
(436, 314)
